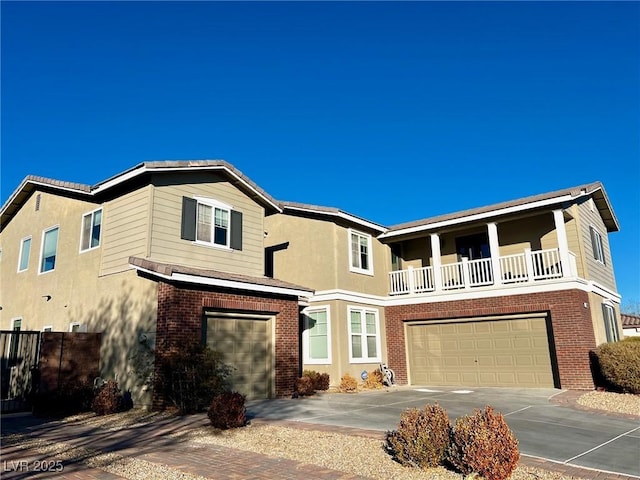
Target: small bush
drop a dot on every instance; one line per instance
(373, 380)
(422, 437)
(619, 364)
(227, 411)
(108, 399)
(348, 384)
(482, 443)
(320, 380)
(304, 386)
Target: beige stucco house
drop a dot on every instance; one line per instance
(514, 294)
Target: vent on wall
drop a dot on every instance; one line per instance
(38, 202)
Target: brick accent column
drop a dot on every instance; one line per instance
(573, 334)
(179, 323)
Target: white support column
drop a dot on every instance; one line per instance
(563, 243)
(494, 249)
(437, 262)
(528, 261)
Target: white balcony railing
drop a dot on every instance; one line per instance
(528, 266)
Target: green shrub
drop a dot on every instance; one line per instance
(108, 399)
(483, 444)
(227, 411)
(191, 377)
(348, 384)
(422, 437)
(320, 380)
(68, 399)
(304, 386)
(619, 364)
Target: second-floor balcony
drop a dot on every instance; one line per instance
(526, 267)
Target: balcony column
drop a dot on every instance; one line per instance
(437, 262)
(563, 243)
(494, 250)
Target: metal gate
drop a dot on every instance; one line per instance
(19, 359)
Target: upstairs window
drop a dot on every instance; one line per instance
(360, 252)
(91, 227)
(49, 250)
(14, 341)
(596, 243)
(25, 253)
(610, 323)
(209, 222)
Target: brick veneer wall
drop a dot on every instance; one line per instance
(572, 327)
(180, 321)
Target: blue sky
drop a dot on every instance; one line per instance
(393, 111)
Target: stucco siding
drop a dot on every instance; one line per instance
(167, 246)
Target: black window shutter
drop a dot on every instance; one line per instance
(236, 230)
(188, 231)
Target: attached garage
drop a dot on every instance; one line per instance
(245, 342)
(506, 351)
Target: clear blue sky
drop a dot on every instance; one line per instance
(390, 111)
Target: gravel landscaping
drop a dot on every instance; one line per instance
(350, 454)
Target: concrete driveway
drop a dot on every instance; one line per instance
(543, 429)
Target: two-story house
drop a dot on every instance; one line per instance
(514, 294)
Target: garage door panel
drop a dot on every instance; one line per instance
(509, 352)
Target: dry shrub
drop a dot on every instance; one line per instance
(348, 384)
(108, 400)
(483, 443)
(619, 363)
(304, 386)
(227, 411)
(320, 380)
(373, 380)
(422, 437)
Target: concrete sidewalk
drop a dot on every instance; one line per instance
(164, 444)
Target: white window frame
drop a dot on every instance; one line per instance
(30, 239)
(40, 257)
(611, 330)
(47, 328)
(214, 204)
(597, 244)
(365, 354)
(92, 215)
(75, 324)
(359, 269)
(305, 336)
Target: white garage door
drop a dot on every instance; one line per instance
(245, 343)
(510, 352)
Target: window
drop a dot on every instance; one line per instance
(596, 242)
(364, 334)
(25, 252)
(14, 342)
(316, 336)
(473, 247)
(74, 327)
(610, 323)
(360, 252)
(91, 227)
(49, 250)
(48, 328)
(210, 222)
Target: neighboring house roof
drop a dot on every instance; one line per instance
(596, 190)
(305, 208)
(630, 321)
(201, 276)
(32, 183)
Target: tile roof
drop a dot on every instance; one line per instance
(630, 320)
(167, 269)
